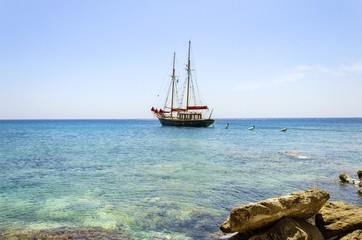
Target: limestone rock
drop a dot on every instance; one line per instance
(292, 229)
(262, 214)
(359, 174)
(338, 219)
(353, 236)
(344, 178)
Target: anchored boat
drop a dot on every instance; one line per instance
(188, 112)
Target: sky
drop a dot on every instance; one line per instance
(87, 59)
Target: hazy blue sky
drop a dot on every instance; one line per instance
(109, 58)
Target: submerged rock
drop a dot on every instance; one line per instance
(289, 228)
(63, 233)
(295, 154)
(262, 214)
(338, 219)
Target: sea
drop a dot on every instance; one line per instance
(154, 182)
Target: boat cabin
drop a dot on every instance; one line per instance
(189, 116)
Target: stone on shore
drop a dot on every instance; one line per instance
(289, 228)
(339, 219)
(254, 216)
(344, 178)
(353, 236)
(359, 174)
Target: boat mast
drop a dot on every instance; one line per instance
(173, 82)
(188, 78)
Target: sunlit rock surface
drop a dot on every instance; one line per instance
(254, 216)
(338, 219)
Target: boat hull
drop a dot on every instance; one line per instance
(186, 123)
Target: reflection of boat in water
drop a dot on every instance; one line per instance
(179, 114)
(284, 129)
(252, 128)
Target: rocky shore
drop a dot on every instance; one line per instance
(301, 215)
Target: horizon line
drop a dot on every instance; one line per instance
(148, 119)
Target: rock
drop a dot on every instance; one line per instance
(360, 190)
(227, 236)
(346, 179)
(338, 219)
(343, 177)
(353, 236)
(262, 214)
(292, 229)
(359, 173)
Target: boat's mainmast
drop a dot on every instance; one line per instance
(188, 78)
(173, 82)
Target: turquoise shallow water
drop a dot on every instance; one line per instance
(163, 182)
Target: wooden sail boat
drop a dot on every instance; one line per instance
(187, 114)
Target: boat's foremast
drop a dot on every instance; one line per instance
(173, 82)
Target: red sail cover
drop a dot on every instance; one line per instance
(197, 107)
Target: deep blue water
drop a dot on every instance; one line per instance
(164, 182)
